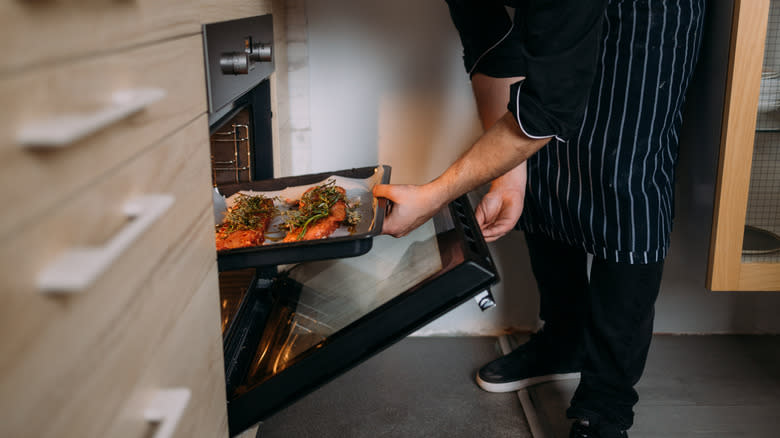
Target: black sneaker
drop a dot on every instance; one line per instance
(583, 429)
(528, 365)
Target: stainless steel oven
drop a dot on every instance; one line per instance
(290, 328)
(239, 61)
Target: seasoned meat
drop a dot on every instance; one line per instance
(321, 228)
(311, 220)
(245, 223)
(239, 239)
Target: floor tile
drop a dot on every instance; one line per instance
(713, 386)
(420, 387)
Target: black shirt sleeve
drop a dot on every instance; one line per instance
(555, 44)
(561, 45)
(483, 26)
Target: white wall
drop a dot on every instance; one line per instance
(387, 86)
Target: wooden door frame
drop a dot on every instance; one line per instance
(726, 271)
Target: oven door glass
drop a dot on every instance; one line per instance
(310, 322)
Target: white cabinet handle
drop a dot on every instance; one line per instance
(166, 409)
(66, 129)
(78, 268)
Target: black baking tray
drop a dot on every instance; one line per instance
(295, 252)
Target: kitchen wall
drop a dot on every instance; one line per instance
(382, 82)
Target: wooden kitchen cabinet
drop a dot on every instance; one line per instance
(84, 353)
(47, 32)
(88, 364)
(175, 67)
(745, 247)
(210, 11)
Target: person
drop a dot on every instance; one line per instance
(581, 103)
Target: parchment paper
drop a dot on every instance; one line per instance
(358, 192)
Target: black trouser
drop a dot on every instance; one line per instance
(610, 317)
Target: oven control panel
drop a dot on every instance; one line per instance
(240, 63)
(238, 56)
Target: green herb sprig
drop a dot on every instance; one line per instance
(313, 205)
(247, 213)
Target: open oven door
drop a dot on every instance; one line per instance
(299, 326)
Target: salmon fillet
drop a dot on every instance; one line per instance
(239, 239)
(231, 235)
(320, 228)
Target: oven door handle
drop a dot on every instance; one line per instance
(166, 409)
(77, 268)
(66, 129)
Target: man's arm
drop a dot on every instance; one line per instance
(502, 148)
(499, 210)
(560, 44)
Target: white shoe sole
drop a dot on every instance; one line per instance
(525, 383)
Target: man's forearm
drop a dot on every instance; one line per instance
(514, 179)
(502, 148)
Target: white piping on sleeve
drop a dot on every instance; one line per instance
(517, 117)
(491, 48)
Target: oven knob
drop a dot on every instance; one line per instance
(234, 63)
(259, 52)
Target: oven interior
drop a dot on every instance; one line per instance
(241, 141)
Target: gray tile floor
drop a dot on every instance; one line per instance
(693, 386)
(420, 387)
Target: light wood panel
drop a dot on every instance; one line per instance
(742, 90)
(190, 357)
(211, 11)
(33, 183)
(759, 277)
(74, 359)
(46, 32)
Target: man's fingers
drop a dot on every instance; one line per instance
(390, 225)
(487, 211)
(497, 229)
(491, 233)
(491, 238)
(384, 191)
(479, 214)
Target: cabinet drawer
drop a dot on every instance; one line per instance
(35, 180)
(75, 357)
(58, 31)
(217, 10)
(189, 357)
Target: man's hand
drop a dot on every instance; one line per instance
(502, 206)
(412, 206)
(499, 152)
